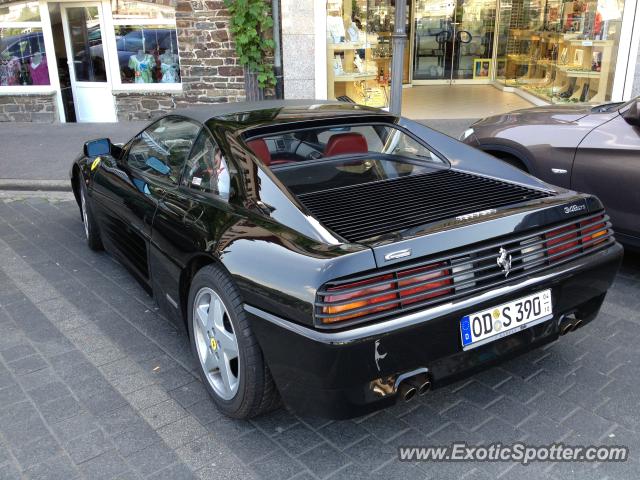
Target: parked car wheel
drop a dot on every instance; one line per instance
(91, 230)
(230, 361)
(511, 160)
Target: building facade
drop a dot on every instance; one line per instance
(108, 60)
(547, 51)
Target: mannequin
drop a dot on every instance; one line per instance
(169, 65)
(169, 68)
(38, 70)
(141, 64)
(9, 70)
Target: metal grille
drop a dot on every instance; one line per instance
(467, 272)
(368, 210)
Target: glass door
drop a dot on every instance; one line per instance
(453, 40)
(433, 32)
(473, 40)
(88, 62)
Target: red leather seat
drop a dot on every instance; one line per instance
(345, 143)
(259, 147)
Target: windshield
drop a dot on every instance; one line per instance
(295, 146)
(321, 158)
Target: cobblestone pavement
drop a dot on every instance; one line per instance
(95, 384)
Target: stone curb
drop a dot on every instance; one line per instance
(17, 184)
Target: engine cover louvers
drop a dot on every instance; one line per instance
(369, 210)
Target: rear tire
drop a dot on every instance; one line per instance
(91, 231)
(511, 160)
(221, 338)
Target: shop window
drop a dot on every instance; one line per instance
(359, 52)
(146, 43)
(562, 51)
(23, 59)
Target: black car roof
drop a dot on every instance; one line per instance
(268, 112)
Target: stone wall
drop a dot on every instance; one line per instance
(208, 63)
(143, 106)
(27, 107)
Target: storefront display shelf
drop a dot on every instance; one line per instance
(341, 47)
(354, 77)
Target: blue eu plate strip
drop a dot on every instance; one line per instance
(465, 329)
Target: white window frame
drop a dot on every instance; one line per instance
(110, 36)
(627, 51)
(45, 26)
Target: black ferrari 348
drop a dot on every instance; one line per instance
(338, 257)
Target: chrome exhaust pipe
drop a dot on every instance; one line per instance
(577, 325)
(566, 328)
(421, 382)
(407, 391)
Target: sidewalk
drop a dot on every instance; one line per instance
(30, 151)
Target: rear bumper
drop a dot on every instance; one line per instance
(338, 374)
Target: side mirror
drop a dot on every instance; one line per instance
(632, 115)
(95, 148)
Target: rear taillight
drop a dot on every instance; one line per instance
(587, 234)
(594, 231)
(385, 292)
(427, 288)
(353, 300)
(564, 246)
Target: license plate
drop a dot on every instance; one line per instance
(506, 319)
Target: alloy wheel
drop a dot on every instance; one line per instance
(85, 219)
(216, 343)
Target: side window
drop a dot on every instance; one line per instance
(207, 170)
(162, 149)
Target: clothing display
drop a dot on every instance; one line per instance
(38, 70)
(9, 71)
(169, 68)
(142, 65)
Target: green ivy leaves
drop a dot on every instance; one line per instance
(250, 19)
